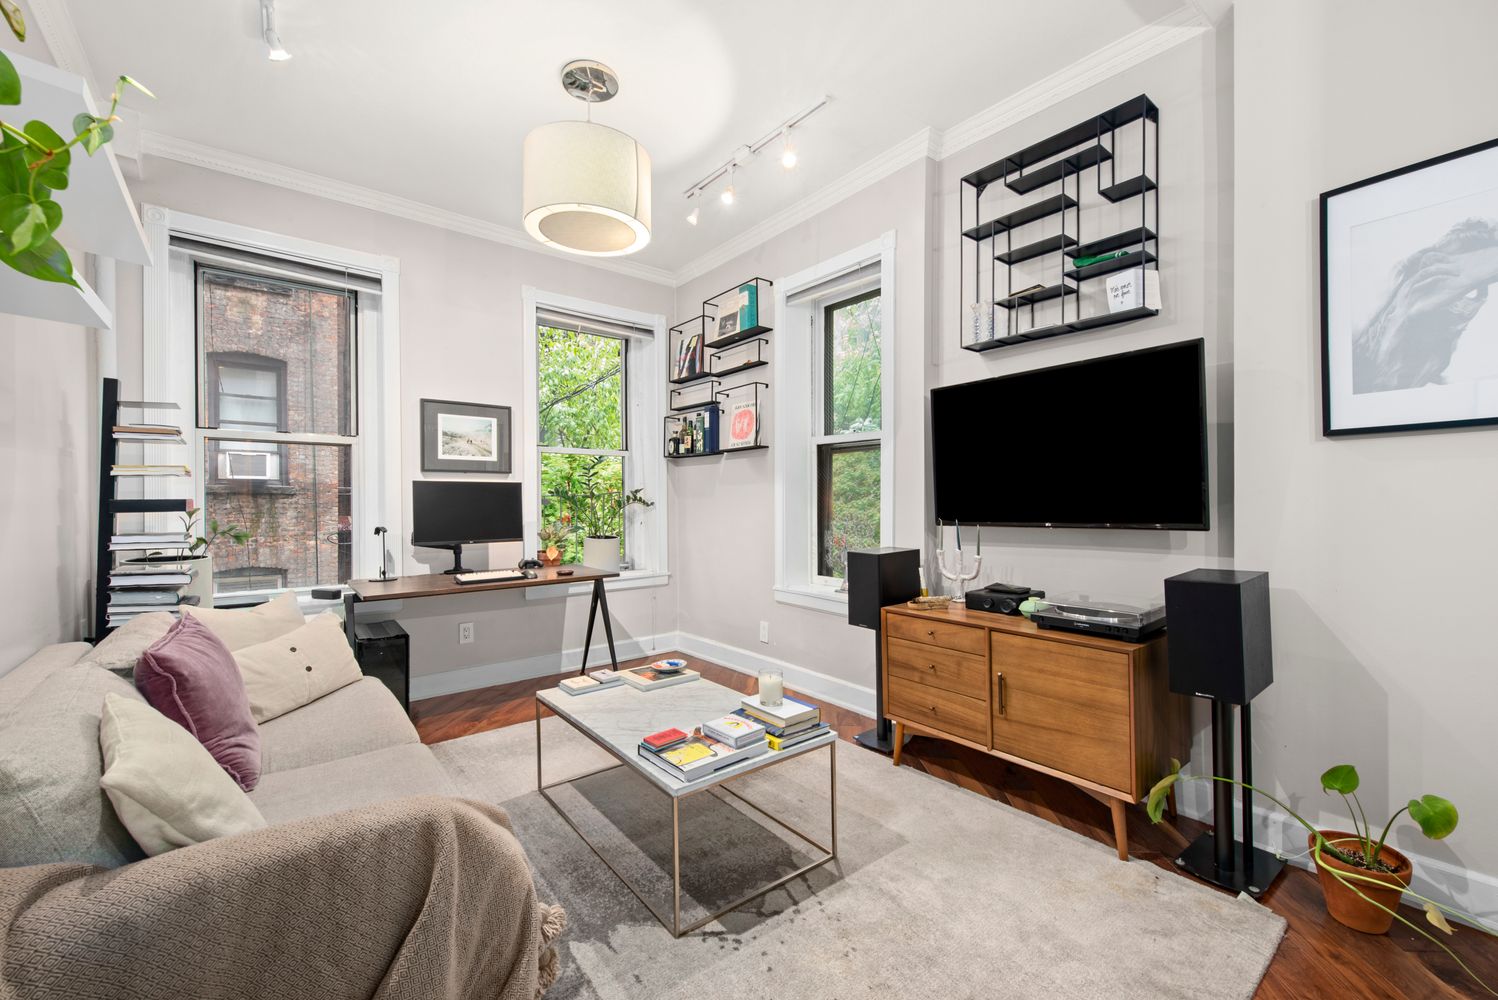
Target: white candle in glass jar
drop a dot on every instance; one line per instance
(771, 688)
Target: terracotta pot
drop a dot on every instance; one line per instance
(1345, 904)
(547, 560)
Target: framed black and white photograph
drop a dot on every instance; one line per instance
(464, 437)
(1409, 340)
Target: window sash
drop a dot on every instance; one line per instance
(827, 367)
(823, 451)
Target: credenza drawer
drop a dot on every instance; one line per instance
(940, 710)
(962, 638)
(960, 673)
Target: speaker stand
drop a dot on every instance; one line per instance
(880, 739)
(1216, 857)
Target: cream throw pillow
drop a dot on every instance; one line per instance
(167, 790)
(241, 627)
(299, 667)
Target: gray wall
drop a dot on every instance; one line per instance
(1380, 550)
(460, 317)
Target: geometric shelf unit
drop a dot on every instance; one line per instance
(729, 338)
(1035, 265)
(113, 544)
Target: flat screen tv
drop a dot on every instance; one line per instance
(1113, 442)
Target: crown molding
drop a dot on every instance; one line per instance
(264, 171)
(55, 24)
(1138, 46)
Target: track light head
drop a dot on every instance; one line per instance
(788, 156)
(275, 51)
(695, 215)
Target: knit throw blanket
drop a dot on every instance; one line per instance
(414, 898)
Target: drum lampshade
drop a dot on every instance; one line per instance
(587, 189)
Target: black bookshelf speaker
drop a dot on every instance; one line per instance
(880, 577)
(1219, 634)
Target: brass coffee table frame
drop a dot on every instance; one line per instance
(829, 852)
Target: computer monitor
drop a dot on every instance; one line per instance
(450, 515)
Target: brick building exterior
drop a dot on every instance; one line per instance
(278, 357)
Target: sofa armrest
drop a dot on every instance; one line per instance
(417, 897)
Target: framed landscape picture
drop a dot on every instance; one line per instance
(464, 437)
(1409, 340)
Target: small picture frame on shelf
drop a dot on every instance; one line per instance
(728, 324)
(464, 437)
(741, 416)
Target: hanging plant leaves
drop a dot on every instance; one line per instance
(47, 262)
(14, 19)
(10, 82)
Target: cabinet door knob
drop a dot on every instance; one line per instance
(931, 632)
(933, 709)
(931, 667)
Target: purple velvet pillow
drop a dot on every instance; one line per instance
(189, 676)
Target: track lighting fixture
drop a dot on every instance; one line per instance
(788, 159)
(275, 51)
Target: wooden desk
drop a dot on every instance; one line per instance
(443, 585)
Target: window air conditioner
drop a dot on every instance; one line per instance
(248, 465)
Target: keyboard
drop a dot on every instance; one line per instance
(489, 576)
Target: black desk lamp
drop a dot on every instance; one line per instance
(385, 573)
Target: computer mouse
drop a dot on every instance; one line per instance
(529, 574)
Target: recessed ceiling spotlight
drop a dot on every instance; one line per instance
(727, 196)
(275, 51)
(696, 213)
(787, 151)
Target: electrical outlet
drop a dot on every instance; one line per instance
(465, 633)
(764, 632)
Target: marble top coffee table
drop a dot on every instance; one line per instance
(617, 718)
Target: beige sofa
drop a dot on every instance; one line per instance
(336, 779)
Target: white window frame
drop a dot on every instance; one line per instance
(798, 354)
(644, 458)
(170, 362)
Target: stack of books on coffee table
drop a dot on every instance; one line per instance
(786, 725)
(691, 755)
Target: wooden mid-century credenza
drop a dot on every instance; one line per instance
(1096, 712)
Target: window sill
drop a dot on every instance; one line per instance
(817, 597)
(630, 579)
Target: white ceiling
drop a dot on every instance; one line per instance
(431, 101)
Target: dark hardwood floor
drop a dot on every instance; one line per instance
(1319, 958)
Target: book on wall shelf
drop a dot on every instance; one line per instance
(149, 470)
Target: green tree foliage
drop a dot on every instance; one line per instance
(853, 405)
(581, 392)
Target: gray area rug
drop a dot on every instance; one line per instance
(936, 892)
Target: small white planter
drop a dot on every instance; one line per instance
(202, 582)
(601, 553)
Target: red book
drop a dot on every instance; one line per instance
(664, 738)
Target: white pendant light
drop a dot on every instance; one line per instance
(587, 186)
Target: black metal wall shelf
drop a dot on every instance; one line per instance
(1108, 244)
(1056, 172)
(1106, 267)
(730, 340)
(1039, 295)
(1058, 329)
(1038, 249)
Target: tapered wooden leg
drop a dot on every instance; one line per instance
(899, 741)
(1120, 828)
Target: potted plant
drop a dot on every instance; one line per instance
(199, 553)
(34, 162)
(553, 536)
(597, 508)
(1362, 877)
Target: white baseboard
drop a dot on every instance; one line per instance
(823, 687)
(1469, 891)
(488, 674)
